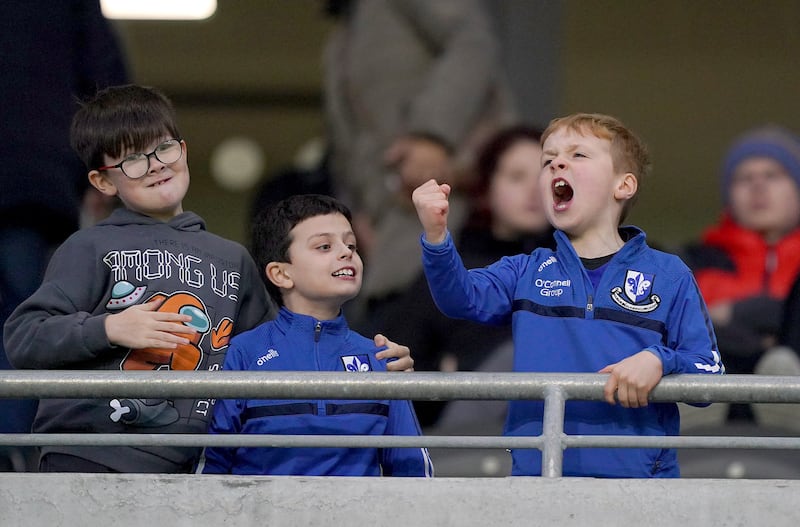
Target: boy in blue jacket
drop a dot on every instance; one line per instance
(602, 301)
(306, 247)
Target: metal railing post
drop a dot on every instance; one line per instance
(553, 432)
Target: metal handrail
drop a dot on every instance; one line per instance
(554, 388)
(43, 384)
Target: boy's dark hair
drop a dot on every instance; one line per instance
(120, 118)
(273, 226)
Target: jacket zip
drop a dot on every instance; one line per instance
(317, 333)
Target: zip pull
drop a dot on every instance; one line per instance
(590, 304)
(317, 331)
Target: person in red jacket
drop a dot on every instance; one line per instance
(745, 264)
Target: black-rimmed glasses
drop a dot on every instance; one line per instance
(136, 165)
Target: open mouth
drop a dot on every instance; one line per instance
(562, 193)
(347, 272)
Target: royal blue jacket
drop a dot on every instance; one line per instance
(645, 300)
(295, 342)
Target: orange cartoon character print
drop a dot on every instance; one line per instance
(185, 356)
(157, 412)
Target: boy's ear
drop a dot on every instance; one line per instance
(102, 182)
(627, 187)
(277, 274)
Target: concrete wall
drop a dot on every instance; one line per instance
(186, 500)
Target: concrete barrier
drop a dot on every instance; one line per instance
(90, 500)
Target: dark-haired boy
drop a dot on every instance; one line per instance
(306, 246)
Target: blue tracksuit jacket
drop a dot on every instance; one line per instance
(646, 299)
(295, 342)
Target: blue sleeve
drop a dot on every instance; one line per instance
(405, 461)
(692, 345)
(225, 419)
(482, 295)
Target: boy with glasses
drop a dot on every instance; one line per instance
(146, 289)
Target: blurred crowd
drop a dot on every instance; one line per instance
(413, 90)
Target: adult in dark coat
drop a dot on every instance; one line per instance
(53, 53)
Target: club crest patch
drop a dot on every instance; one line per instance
(637, 291)
(356, 363)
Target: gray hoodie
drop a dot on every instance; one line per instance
(126, 260)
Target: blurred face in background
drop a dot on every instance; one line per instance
(764, 198)
(513, 195)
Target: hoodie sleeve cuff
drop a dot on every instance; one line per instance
(94, 334)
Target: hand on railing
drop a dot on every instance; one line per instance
(632, 379)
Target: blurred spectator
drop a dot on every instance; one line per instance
(411, 88)
(783, 359)
(52, 53)
(507, 218)
(789, 334)
(746, 264)
(308, 173)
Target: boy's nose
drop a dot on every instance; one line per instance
(153, 163)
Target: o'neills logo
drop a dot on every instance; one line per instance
(271, 354)
(637, 292)
(550, 260)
